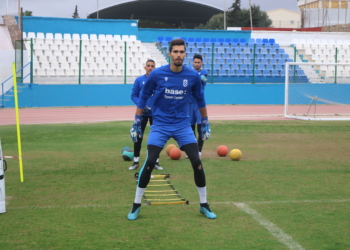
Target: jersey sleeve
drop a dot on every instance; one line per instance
(147, 90)
(198, 93)
(135, 93)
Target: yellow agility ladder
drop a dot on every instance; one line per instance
(161, 192)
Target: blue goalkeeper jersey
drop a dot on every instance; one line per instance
(201, 72)
(137, 88)
(171, 92)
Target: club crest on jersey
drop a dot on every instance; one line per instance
(185, 82)
(143, 82)
(166, 79)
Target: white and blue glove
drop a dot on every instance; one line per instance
(135, 131)
(204, 79)
(205, 128)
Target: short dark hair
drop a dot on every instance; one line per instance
(150, 60)
(198, 56)
(176, 42)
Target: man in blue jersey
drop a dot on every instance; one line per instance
(146, 114)
(193, 111)
(171, 87)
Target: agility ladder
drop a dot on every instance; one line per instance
(166, 195)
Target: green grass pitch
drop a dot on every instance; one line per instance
(290, 190)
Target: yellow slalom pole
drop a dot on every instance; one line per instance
(17, 122)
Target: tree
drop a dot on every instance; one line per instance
(233, 14)
(216, 22)
(75, 14)
(27, 13)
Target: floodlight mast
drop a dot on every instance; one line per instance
(224, 14)
(251, 19)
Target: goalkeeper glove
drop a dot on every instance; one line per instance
(204, 79)
(205, 128)
(147, 111)
(135, 131)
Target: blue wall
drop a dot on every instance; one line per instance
(119, 94)
(151, 35)
(80, 26)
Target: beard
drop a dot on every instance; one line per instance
(177, 64)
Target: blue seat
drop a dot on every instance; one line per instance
(226, 45)
(234, 45)
(220, 50)
(208, 44)
(260, 56)
(260, 66)
(184, 38)
(269, 67)
(246, 50)
(258, 73)
(168, 38)
(238, 61)
(271, 41)
(217, 55)
(160, 39)
(205, 40)
(234, 56)
(221, 40)
(275, 73)
(301, 72)
(275, 46)
(265, 40)
(217, 45)
(273, 61)
(251, 46)
(231, 72)
(235, 40)
(229, 61)
(258, 41)
(220, 61)
(213, 40)
(247, 61)
(282, 73)
(198, 40)
(244, 66)
(226, 66)
(199, 45)
(234, 66)
(250, 56)
(240, 72)
(242, 42)
(225, 55)
(190, 45)
(215, 73)
(269, 56)
(251, 41)
(249, 72)
(279, 67)
(285, 56)
(190, 40)
(195, 50)
(228, 40)
(217, 66)
(222, 72)
(267, 73)
(263, 51)
(281, 51)
(190, 55)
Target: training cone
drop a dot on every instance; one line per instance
(169, 147)
(222, 151)
(235, 154)
(175, 154)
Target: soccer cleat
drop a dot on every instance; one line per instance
(204, 209)
(157, 166)
(134, 166)
(133, 215)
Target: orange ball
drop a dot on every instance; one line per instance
(175, 154)
(169, 147)
(222, 151)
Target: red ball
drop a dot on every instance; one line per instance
(175, 154)
(222, 151)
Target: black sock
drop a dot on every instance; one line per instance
(206, 205)
(135, 206)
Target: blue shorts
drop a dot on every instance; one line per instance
(159, 135)
(195, 115)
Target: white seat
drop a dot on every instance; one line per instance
(65, 65)
(125, 38)
(98, 72)
(66, 53)
(108, 72)
(75, 53)
(31, 35)
(72, 47)
(61, 59)
(54, 47)
(51, 72)
(57, 53)
(132, 38)
(58, 36)
(67, 36)
(117, 38)
(60, 72)
(64, 47)
(103, 54)
(72, 59)
(75, 37)
(108, 48)
(24, 35)
(70, 72)
(99, 47)
(108, 59)
(74, 65)
(41, 72)
(94, 53)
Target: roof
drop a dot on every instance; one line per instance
(175, 12)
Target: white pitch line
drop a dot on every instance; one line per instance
(272, 228)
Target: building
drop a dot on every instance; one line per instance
(283, 18)
(319, 13)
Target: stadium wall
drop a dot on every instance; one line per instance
(151, 35)
(79, 26)
(36, 95)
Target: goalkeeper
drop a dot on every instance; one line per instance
(193, 112)
(171, 87)
(147, 112)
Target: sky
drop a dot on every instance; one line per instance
(65, 8)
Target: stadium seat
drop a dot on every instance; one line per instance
(198, 40)
(251, 41)
(168, 38)
(228, 40)
(265, 40)
(258, 41)
(240, 72)
(160, 39)
(234, 66)
(191, 40)
(249, 72)
(222, 72)
(213, 40)
(272, 41)
(229, 61)
(244, 66)
(275, 73)
(231, 72)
